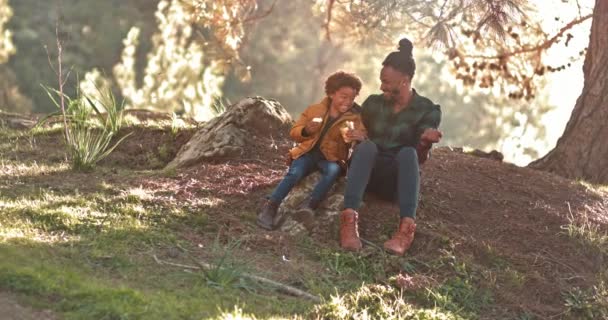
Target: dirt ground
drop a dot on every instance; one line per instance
(484, 207)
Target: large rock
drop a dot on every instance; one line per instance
(226, 135)
(327, 212)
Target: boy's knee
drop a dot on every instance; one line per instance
(333, 169)
(296, 172)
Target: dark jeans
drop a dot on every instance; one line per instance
(393, 175)
(303, 166)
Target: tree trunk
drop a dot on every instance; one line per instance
(582, 151)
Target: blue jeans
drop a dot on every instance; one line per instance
(393, 175)
(303, 166)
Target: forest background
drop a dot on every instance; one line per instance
(285, 56)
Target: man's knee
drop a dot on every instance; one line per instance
(366, 148)
(407, 154)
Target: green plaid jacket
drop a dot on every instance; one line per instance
(391, 131)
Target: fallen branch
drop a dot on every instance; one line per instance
(281, 287)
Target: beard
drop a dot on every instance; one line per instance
(391, 96)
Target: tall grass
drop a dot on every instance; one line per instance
(587, 233)
(89, 141)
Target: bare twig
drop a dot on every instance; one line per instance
(59, 72)
(60, 75)
(281, 287)
(261, 16)
(330, 7)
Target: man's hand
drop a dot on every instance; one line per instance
(356, 134)
(431, 135)
(312, 127)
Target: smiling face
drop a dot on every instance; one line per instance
(393, 83)
(343, 99)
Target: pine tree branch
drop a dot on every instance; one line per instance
(537, 48)
(261, 16)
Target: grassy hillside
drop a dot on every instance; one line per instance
(494, 241)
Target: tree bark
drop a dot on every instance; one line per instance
(582, 151)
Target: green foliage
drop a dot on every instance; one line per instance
(86, 143)
(348, 265)
(236, 314)
(459, 295)
(98, 93)
(589, 304)
(91, 32)
(6, 44)
(179, 76)
(88, 256)
(225, 270)
(11, 98)
(176, 124)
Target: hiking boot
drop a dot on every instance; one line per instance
(268, 214)
(305, 214)
(403, 238)
(349, 233)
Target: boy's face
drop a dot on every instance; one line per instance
(343, 99)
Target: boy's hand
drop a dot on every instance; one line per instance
(312, 127)
(356, 134)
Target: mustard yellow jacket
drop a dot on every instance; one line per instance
(332, 146)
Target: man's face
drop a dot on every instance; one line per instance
(391, 83)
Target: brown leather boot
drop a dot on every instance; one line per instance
(349, 233)
(267, 215)
(403, 238)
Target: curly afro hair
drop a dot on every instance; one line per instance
(341, 79)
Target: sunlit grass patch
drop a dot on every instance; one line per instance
(14, 169)
(50, 129)
(342, 270)
(164, 121)
(50, 213)
(596, 188)
(136, 195)
(81, 282)
(377, 302)
(587, 233)
(463, 291)
(89, 256)
(236, 314)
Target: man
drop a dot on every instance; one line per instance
(401, 128)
